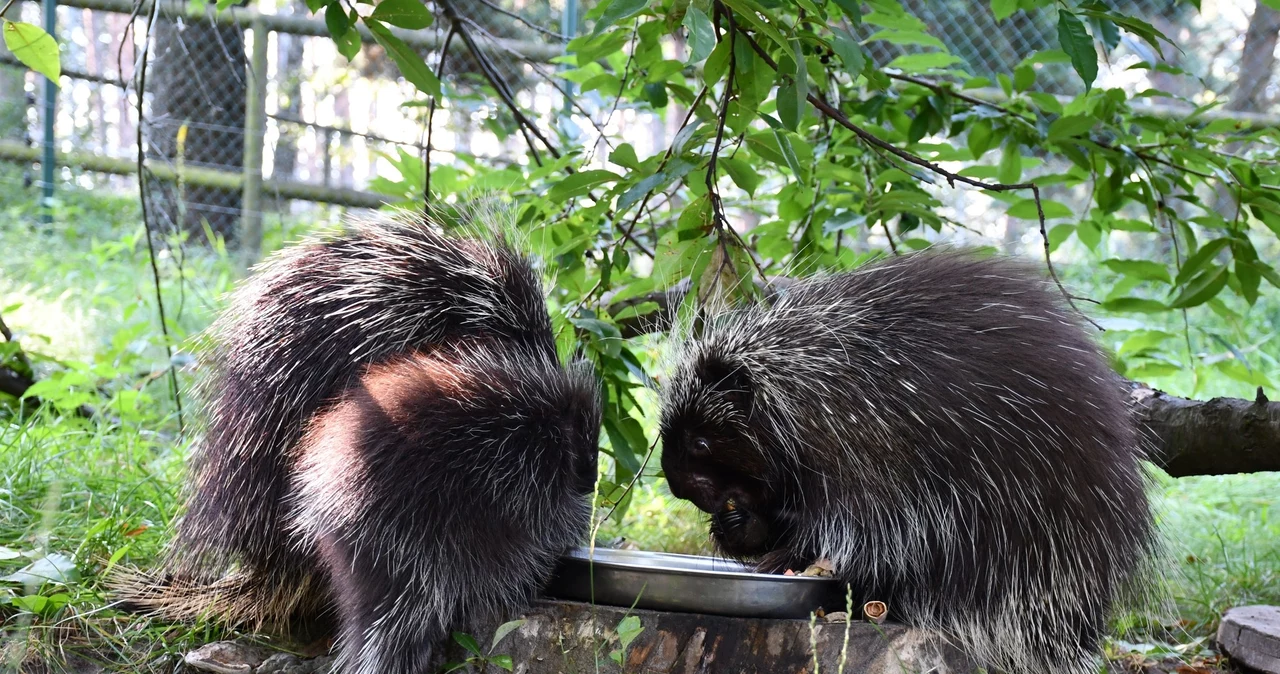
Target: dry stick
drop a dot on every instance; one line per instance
(431, 115)
(622, 86)
(491, 74)
(947, 91)
(146, 220)
(719, 221)
(952, 178)
(521, 19)
(631, 484)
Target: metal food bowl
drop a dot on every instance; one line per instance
(689, 584)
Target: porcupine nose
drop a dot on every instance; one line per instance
(698, 490)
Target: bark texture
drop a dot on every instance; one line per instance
(570, 637)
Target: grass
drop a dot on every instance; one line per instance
(105, 490)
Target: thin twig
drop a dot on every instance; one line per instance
(938, 88)
(523, 20)
(892, 246)
(491, 74)
(630, 484)
(146, 220)
(431, 116)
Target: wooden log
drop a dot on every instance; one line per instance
(569, 637)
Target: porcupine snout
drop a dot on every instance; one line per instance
(739, 531)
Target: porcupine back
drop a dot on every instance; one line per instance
(295, 335)
(951, 439)
(440, 491)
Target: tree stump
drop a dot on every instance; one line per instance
(1251, 636)
(569, 637)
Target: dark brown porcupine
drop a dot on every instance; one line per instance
(389, 433)
(943, 431)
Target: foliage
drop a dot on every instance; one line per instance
(31, 45)
(787, 124)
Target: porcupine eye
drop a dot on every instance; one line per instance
(701, 447)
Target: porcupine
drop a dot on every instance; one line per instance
(389, 434)
(940, 429)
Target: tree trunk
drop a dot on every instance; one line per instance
(1257, 60)
(198, 78)
(569, 637)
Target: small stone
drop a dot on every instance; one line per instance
(224, 657)
(282, 663)
(1251, 636)
(838, 617)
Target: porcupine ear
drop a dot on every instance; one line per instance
(729, 378)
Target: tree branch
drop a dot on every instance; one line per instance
(1221, 436)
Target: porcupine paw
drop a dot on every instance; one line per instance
(780, 560)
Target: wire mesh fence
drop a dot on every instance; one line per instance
(327, 127)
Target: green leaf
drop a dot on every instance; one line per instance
(580, 183)
(1250, 278)
(742, 173)
(1071, 126)
(335, 19)
(907, 37)
(1003, 9)
(503, 630)
(628, 629)
(1134, 305)
(1023, 77)
(800, 92)
(1107, 30)
(922, 62)
(1010, 170)
(717, 63)
(410, 63)
(1144, 340)
(1199, 259)
(1074, 40)
(849, 52)
(789, 153)
(35, 48)
(1089, 233)
(702, 35)
(851, 9)
(625, 155)
(348, 43)
(1202, 288)
(790, 107)
(316, 5)
(979, 138)
(407, 14)
(1059, 234)
(619, 10)
(1143, 269)
(468, 642)
(503, 661)
(1026, 209)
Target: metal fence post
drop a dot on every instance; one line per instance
(254, 138)
(50, 104)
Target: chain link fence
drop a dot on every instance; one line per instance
(316, 129)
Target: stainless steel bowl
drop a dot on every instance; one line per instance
(689, 584)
